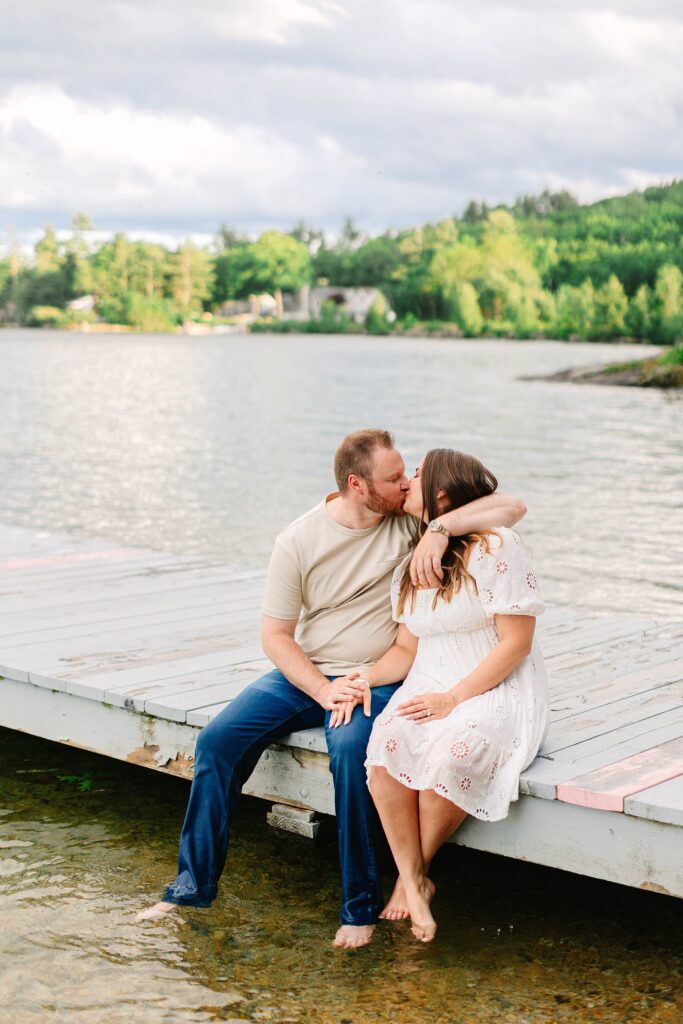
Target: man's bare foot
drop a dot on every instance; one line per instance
(422, 924)
(352, 936)
(157, 912)
(397, 907)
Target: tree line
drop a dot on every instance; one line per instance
(545, 266)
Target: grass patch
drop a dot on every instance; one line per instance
(674, 357)
(663, 371)
(619, 367)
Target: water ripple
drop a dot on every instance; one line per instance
(210, 447)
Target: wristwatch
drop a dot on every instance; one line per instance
(436, 527)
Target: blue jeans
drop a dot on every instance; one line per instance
(226, 755)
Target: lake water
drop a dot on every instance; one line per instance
(210, 446)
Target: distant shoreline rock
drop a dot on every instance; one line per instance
(642, 373)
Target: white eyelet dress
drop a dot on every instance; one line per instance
(475, 755)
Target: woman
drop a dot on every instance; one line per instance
(473, 709)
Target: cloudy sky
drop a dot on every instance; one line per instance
(173, 116)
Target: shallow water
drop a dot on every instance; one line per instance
(209, 446)
(84, 841)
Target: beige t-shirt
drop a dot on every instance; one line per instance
(336, 582)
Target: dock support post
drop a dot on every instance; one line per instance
(293, 819)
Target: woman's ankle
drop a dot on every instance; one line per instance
(415, 882)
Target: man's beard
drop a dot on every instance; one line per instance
(380, 505)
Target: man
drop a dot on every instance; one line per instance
(326, 615)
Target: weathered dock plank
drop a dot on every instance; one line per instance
(234, 598)
(607, 787)
(78, 591)
(542, 778)
(128, 653)
(608, 718)
(660, 803)
(108, 682)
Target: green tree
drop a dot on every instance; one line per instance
(110, 274)
(416, 285)
(575, 310)
(228, 238)
(465, 310)
(473, 212)
(228, 271)
(77, 265)
(46, 283)
(544, 204)
(507, 272)
(500, 267)
(189, 279)
(47, 252)
(373, 263)
(639, 315)
(5, 284)
(146, 267)
(275, 263)
(124, 271)
(668, 304)
(350, 237)
(610, 308)
(150, 314)
(333, 319)
(312, 238)
(376, 319)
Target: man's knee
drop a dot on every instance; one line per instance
(209, 742)
(248, 717)
(219, 736)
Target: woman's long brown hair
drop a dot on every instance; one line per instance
(462, 479)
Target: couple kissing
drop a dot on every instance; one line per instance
(399, 613)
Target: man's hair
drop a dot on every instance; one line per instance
(356, 455)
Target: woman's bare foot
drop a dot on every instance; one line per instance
(397, 907)
(352, 936)
(422, 924)
(157, 912)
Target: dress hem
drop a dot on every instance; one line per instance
(462, 804)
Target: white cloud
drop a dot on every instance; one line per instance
(268, 21)
(258, 112)
(112, 160)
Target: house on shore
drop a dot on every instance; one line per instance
(249, 309)
(82, 304)
(306, 304)
(356, 303)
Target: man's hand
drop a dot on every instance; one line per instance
(425, 565)
(341, 690)
(428, 707)
(342, 713)
(351, 690)
(482, 514)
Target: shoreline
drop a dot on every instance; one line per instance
(645, 373)
(358, 331)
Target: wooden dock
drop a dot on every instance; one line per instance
(129, 653)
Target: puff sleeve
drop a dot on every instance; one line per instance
(506, 582)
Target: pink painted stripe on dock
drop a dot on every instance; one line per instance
(607, 787)
(69, 558)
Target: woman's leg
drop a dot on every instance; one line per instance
(398, 810)
(438, 819)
